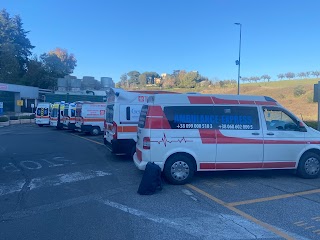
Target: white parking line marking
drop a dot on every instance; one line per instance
(65, 178)
(214, 226)
(48, 181)
(11, 187)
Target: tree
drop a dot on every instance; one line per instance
(266, 77)
(188, 80)
(280, 76)
(133, 77)
(254, 79)
(9, 65)
(301, 74)
(59, 62)
(14, 44)
(123, 80)
(290, 75)
(245, 79)
(147, 77)
(316, 73)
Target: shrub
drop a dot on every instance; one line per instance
(298, 91)
(4, 119)
(14, 117)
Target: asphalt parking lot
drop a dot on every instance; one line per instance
(64, 185)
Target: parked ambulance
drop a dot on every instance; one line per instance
(57, 115)
(43, 114)
(90, 117)
(122, 116)
(69, 116)
(185, 133)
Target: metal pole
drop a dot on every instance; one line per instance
(318, 106)
(239, 62)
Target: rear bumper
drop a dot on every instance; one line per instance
(141, 165)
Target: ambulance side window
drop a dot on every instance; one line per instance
(237, 117)
(73, 112)
(128, 113)
(109, 113)
(212, 117)
(45, 112)
(278, 120)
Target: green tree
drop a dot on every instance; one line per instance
(9, 65)
(266, 77)
(280, 76)
(58, 63)
(13, 35)
(133, 77)
(290, 75)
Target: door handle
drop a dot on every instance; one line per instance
(255, 133)
(270, 133)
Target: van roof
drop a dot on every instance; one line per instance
(211, 99)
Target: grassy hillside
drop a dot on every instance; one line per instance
(282, 91)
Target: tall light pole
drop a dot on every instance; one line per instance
(238, 62)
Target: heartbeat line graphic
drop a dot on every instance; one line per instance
(165, 140)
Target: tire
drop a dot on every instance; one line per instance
(95, 131)
(309, 165)
(179, 169)
(40, 125)
(132, 151)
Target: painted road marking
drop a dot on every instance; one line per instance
(274, 197)
(37, 164)
(88, 139)
(48, 181)
(210, 226)
(243, 214)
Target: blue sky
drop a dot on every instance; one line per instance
(112, 37)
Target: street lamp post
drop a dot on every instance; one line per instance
(238, 62)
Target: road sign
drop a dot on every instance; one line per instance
(20, 103)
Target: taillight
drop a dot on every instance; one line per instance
(114, 130)
(146, 143)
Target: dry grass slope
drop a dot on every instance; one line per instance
(283, 92)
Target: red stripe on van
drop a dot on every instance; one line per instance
(207, 165)
(208, 136)
(156, 119)
(200, 100)
(279, 165)
(224, 101)
(238, 165)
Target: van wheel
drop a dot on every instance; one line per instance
(309, 165)
(179, 169)
(95, 131)
(132, 151)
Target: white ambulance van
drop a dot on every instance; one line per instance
(185, 133)
(69, 116)
(43, 114)
(122, 116)
(90, 117)
(56, 115)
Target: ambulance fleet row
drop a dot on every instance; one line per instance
(190, 132)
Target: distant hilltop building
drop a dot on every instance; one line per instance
(72, 84)
(107, 82)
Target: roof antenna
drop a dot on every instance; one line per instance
(301, 117)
